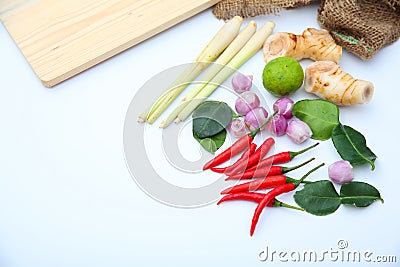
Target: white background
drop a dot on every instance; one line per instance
(67, 198)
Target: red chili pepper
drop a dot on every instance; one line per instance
(264, 183)
(267, 182)
(256, 172)
(256, 197)
(236, 148)
(232, 151)
(255, 158)
(259, 184)
(251, 196)
(267, 199)
(282, 157)
(274, 193)
(244, 157)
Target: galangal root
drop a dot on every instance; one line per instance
(314, 44)
(328, 81)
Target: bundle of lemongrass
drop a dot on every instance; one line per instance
(231, 49)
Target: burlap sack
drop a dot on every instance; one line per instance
(227, 9)
(360, 26)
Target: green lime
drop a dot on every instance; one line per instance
(282, 76)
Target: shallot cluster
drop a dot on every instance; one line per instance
(248, 105)
(296, 130)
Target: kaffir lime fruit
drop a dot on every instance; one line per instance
(282, 76)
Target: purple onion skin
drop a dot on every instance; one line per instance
(341, 172)
(237, 128)
(284, 107)
(241, 83)
(277, 126)
(298, 131)
(255, 117)
(246, 102)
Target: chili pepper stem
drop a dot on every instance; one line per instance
(278, 203)
(254, 133)
(294, 181)
(294, 154)
(307, 174)
(288, 169)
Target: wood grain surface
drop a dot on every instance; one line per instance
(62, 38)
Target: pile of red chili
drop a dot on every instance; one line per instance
(252, 164)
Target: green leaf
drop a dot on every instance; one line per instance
(359, 194)
(212, 144)
(321, 115)
(210, 118)
(318, 198)
(321, 198)
(351, 146)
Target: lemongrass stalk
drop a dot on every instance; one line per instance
(250, 48)
(213, 49)
(143, 116)
(183, 80)
(222, 60)
(168, 96)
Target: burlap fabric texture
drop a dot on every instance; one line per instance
(360, 26)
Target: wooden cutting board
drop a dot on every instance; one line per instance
(61, 38)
